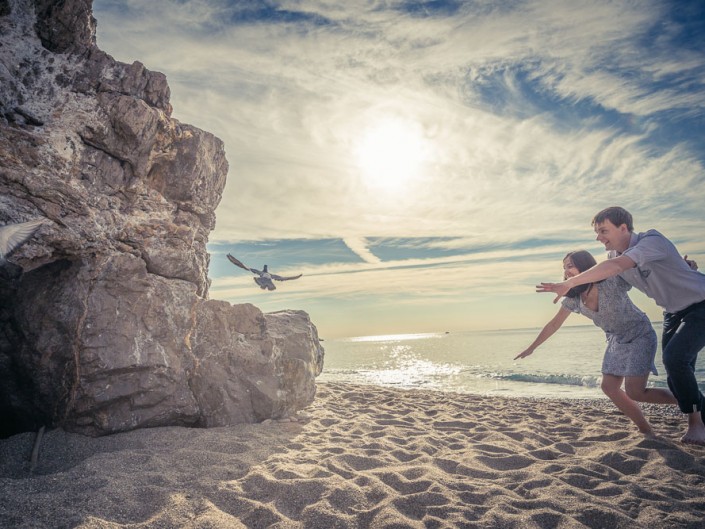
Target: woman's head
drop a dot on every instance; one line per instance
(575, 263)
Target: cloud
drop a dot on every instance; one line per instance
(361, 248)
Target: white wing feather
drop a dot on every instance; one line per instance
(13, 235)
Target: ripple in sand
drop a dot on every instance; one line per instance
(357, 462)
(403, 485)
(622, 463)
(416, 506)
(514, 462)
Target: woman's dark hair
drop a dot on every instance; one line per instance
(582, 260)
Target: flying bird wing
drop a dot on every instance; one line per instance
(14, 235)
(280, 278)
(239, 263)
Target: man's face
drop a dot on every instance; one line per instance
(613, 237)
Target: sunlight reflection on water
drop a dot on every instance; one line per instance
(412, 373)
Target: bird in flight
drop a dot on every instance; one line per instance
(264, 277)
(14, 235)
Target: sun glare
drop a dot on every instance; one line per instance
(391, 154)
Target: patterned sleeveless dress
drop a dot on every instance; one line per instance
(631, 340)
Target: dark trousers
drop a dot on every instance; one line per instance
(683, 338)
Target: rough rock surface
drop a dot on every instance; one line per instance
(105, 322)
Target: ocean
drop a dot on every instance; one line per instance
(482, 362)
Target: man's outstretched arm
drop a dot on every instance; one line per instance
(603, 270)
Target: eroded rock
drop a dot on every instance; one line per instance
(105, 321)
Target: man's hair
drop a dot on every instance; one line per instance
(616, 216)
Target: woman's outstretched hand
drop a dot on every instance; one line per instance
(523, 354)
(560, 289)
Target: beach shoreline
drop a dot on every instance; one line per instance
(369, 456)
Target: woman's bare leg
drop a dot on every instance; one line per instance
(636, 390)
(612, 387)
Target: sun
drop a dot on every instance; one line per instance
(391, 153)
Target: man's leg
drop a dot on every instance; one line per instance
(683, 338)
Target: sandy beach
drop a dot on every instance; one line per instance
(366, 456)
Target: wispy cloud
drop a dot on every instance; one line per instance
(361, 248)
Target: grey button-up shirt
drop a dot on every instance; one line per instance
(661, 273)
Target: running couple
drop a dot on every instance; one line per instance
(652, 264)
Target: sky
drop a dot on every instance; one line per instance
(424, 164)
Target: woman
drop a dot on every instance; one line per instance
(631, 340)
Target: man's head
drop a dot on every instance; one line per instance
(614, 227)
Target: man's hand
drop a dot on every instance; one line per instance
(692, 264)
(560, 289)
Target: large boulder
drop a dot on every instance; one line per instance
(105, 321)
(251, 366)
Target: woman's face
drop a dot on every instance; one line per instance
(569, 269)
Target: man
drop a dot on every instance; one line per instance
(651, 263)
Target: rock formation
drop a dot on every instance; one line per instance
(105, 322)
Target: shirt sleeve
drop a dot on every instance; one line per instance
(650, 247)
(571, 304)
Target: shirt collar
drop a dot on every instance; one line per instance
(632, 241)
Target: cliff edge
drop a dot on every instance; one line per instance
(105, 322)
